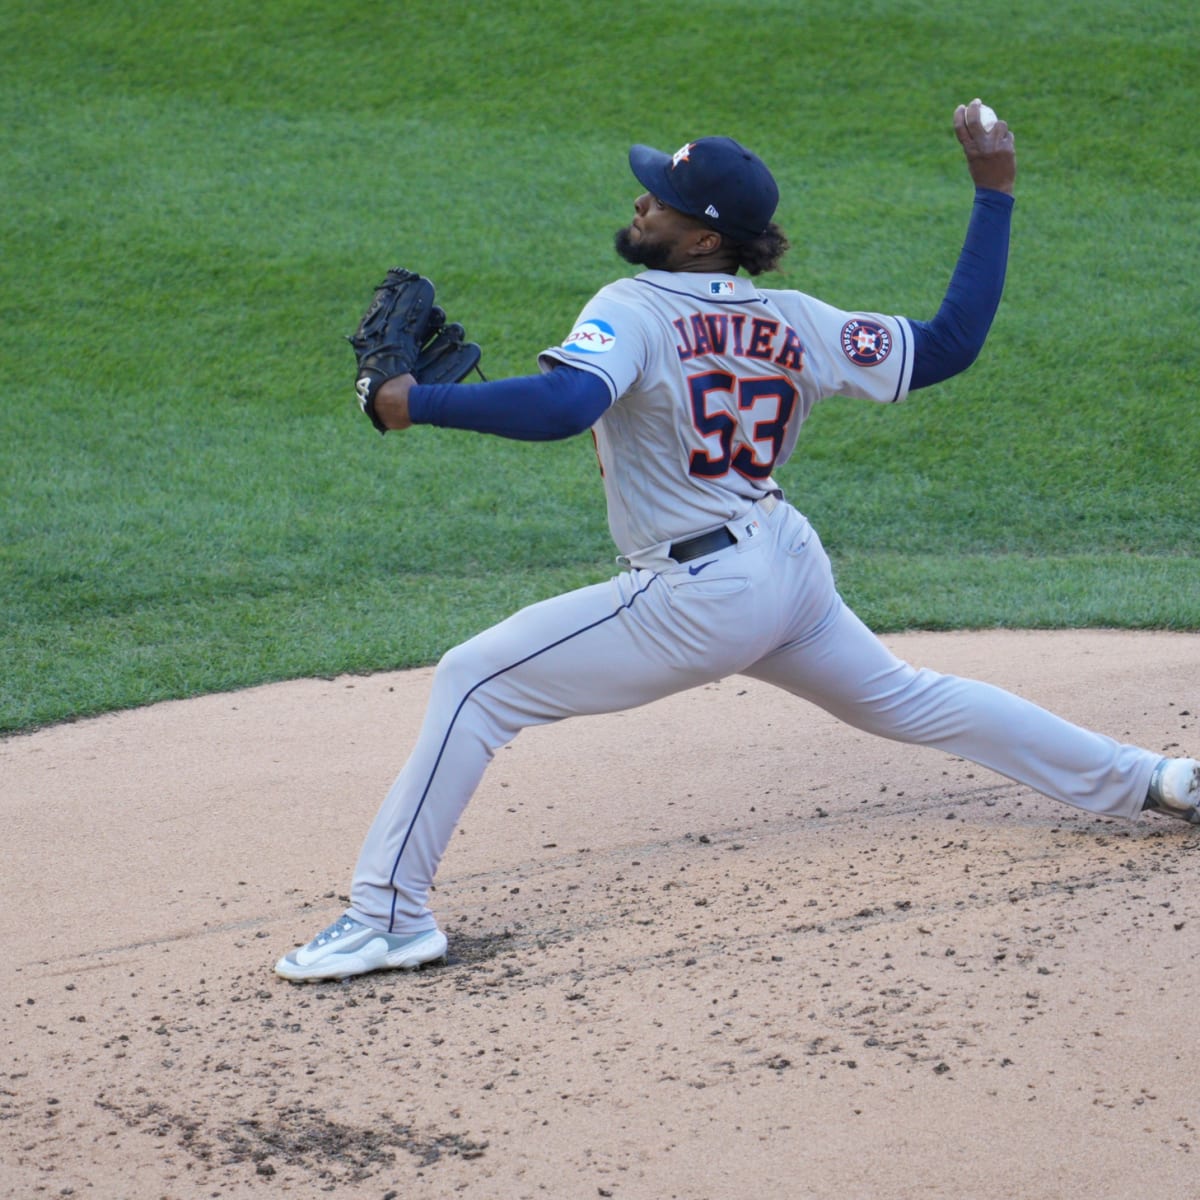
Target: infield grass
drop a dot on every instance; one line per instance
(199, 199)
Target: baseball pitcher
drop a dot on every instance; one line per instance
(695, 383)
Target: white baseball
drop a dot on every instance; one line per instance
(987, 117)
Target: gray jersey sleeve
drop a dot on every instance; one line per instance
(864, 355)
(608, 340)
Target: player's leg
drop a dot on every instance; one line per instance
(605, 648)
(839, 664)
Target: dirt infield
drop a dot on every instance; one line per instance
(720, 947)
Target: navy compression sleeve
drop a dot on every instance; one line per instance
(531, 408)
(951, 342)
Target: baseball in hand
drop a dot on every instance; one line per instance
(987, 117)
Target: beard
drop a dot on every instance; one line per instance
(654, 256)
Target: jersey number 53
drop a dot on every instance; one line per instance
(742, 422)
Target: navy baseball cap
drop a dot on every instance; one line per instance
(715, 179)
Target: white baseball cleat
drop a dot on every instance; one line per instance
(348, 947)
(1175, 789)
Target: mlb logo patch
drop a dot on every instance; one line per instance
(720, 287)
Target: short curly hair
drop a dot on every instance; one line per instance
(763, 252)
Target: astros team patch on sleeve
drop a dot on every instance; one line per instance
(866, 343)
(591, 337)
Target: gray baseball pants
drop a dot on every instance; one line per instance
(766, 607)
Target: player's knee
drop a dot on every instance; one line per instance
(474, 693)
(458, 669)
(467, 670)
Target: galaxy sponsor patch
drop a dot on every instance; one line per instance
(591, 337)
(720, 287)
(866, 343)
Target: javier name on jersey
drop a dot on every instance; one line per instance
(740, 335)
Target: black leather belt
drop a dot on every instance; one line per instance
(706, 543)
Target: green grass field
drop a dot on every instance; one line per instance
(199, 200)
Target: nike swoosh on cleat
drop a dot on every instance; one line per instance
(697, 570)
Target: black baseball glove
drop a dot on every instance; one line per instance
(404, 333)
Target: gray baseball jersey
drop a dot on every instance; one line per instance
(711, 378)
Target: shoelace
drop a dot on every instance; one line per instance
(342, 925)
